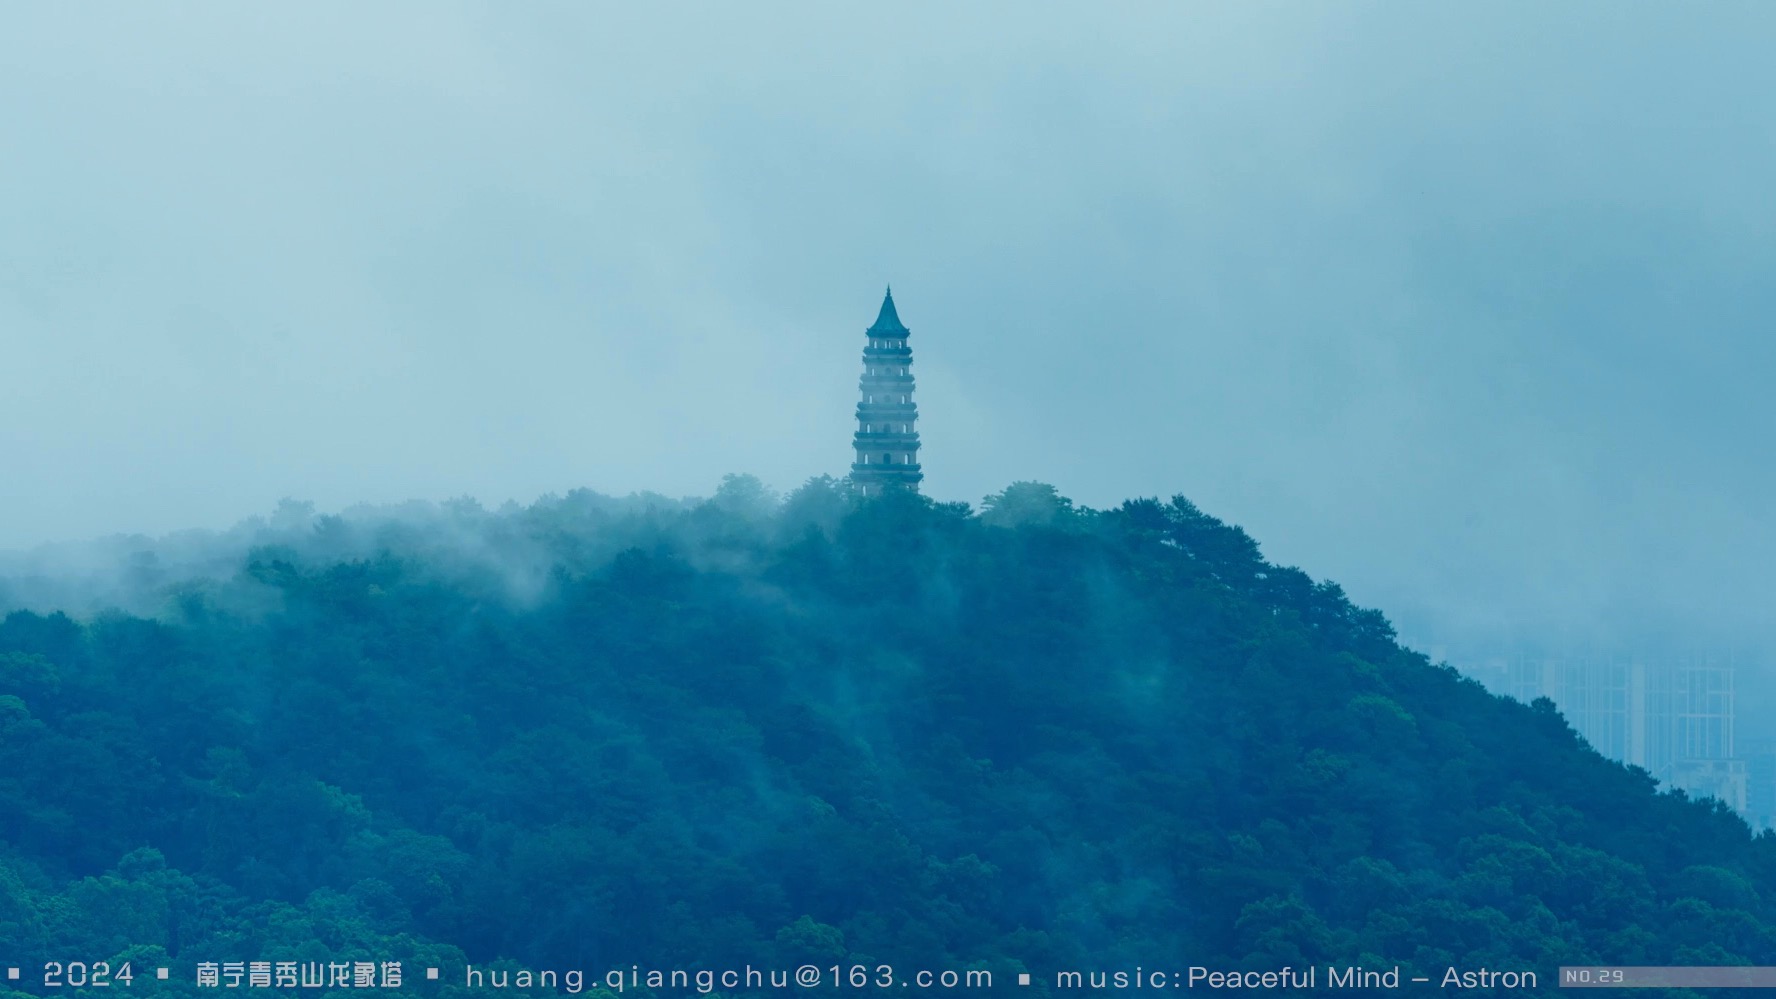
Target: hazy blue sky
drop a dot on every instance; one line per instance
(1469, 308)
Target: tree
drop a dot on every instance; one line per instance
(1024, 503)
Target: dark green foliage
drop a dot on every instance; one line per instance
(829, 731)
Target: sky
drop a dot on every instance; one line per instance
(1466, 307)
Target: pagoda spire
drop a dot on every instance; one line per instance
(888, 320)
(887, 439)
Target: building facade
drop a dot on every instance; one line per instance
(887, 439)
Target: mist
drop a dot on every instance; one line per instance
(1465, 310)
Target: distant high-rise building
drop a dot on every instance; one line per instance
(887, 440)
(1760, 781)
(1672, 717)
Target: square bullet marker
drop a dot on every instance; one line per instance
(432, 974)
(1023, 979)
(160, 973)
(12, 974)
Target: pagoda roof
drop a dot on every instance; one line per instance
(888, 321)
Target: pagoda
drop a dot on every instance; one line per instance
(887, 440)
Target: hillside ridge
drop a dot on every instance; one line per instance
(823, 729)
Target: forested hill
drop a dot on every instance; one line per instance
(594, 734)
